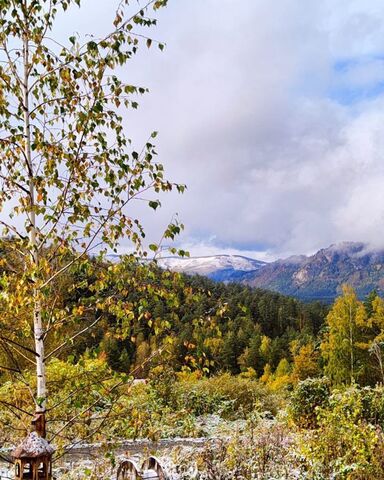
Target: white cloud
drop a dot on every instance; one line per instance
(244, 98)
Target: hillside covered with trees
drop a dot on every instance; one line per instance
(195, 323)
(208, 351)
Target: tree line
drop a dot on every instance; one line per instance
(200, 324)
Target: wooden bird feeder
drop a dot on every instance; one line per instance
(33, 458)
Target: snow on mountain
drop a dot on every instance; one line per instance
(316, 277)
(209, 266)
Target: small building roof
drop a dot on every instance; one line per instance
(33, 446)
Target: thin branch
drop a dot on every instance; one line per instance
(19, 345)
(9, 369)
(22, 355)
(17, 408)
(117, 385)
(13, 229)
(72, 338)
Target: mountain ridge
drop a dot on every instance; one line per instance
(309, 277)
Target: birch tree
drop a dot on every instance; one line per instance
(341, 347)
(69, 174)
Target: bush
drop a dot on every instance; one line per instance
(262, 454)
(345, 445)
(168, 404)
(308, 396)
(373, 405)
(230, 396)
(163, 378)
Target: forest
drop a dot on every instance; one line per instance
(213, 356)
(210, 326)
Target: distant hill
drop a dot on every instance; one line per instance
(319, 276)
(218, 267)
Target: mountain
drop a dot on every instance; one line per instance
(321, 276)
(315, 277)
(218, 267)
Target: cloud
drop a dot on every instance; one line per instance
(273, 115)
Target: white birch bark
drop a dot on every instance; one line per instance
(34, 254)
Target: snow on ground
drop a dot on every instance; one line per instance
(5, 473)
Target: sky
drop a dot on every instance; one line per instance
(272, 113)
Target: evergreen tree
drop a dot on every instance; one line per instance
(368, 302)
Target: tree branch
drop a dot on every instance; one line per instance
(72, 338)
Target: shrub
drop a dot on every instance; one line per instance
(373, 405)
(345, 445)
(231, 396)
(261, 455)
(163, 378)
(307, 397)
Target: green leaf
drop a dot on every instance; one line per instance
(154, 204)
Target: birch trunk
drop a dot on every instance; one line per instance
(33, 248)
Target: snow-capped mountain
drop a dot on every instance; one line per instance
(318, 276)
(217, 267)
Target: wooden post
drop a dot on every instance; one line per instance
(39, 424)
